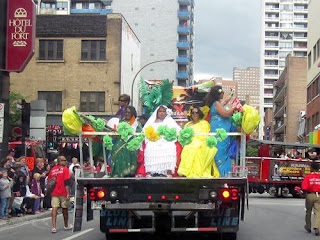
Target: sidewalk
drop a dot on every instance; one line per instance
(24, 218)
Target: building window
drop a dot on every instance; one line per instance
(92, 101)
(62, 5)
(315, 88)
(50, 49)
(314, 53)
(308, 125)
(54, 100)
(309, 60)
(309, 94)
(93, 50)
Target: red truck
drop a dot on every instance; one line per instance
(277, 176)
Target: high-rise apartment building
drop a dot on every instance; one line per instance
(248, 84)
(283, 32)
(165, 29)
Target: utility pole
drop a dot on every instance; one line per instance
(4, 84)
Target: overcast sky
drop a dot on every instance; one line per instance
(227, 35)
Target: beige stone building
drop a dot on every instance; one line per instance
(82, 61)
(227, 85)
(248, 85)
(289, 99)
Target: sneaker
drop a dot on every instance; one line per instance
(54, 230)
(69, 227)
(316, 231)
(307, 229)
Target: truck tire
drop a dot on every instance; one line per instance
(229, 236)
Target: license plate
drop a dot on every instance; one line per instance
(97, 205)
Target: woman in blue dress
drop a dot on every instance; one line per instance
(220, 118)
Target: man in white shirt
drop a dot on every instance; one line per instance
(74, 161)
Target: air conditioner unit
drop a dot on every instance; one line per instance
(284, 115)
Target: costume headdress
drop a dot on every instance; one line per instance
(159, 94)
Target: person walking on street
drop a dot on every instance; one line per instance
(60, 193)
(311, 185)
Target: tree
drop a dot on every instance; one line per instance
(15, 114)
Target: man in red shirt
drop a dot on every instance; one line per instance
(311, 185)
(61, 192)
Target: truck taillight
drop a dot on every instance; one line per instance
(97, 194)
(226, 194)
(234, 194)
(163, 197)
(230, 194)
(101, 194)
(92, 194)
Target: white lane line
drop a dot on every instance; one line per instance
(78, 234)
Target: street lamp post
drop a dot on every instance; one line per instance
(134, 79)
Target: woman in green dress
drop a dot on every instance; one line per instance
(124, 162)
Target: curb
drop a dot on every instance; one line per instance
(25, 218)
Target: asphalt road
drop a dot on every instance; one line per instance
(268, 219)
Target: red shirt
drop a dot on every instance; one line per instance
(62, 174)
(311, 183)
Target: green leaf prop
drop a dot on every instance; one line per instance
(237, 119)
(107, 142)
(124, 130)
(135, 143)
(212, 141)
(99, 125)
(162, 130)
(170, 134)
(160, 94)
(221, 134)
(186, 136)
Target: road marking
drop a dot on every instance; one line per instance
(78, 234)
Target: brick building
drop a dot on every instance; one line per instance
(82, 61)
(289, 99)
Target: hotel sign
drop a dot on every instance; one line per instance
(21, 22)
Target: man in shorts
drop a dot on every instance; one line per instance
(61, 192)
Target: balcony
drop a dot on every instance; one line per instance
(279, 111)
(279, 127)
(272, 19)
(184, 14)
(184, 2)
(271, 56)
(271, 76)
(272, 9)
(272, 37)
(300, 48)
(271, 66)
(48, 11)
(183, 59)
(279, 96)
(182, 76)
(91, 11)
(271, 47)
(185, 45)
(300, 20)
(106, 2)
(184, 30)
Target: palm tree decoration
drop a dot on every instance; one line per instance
(160, 94)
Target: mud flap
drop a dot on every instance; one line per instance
(78, 209)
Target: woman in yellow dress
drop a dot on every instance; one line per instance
(197, 159)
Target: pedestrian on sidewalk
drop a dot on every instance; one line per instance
(60, 193)
(5, 195)
(311, 185)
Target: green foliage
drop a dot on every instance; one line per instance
(252, 151)
(15, 114)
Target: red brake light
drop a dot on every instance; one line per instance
(163, 197)
(92, 194)
(177, 197)
(226, 194)
(149, 197)
(101, 194)
(234, 194)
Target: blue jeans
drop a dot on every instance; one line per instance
(4, 207)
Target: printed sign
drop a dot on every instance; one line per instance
(1, 129)
(114, 219)
(253, 168)
(220, 217)
(1, 110)
(288, 170)
(20, 34)
(236, 103)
